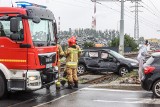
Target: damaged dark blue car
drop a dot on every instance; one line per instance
(105, 60)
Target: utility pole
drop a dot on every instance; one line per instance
(121, 41)
(94, 16)
(59, 26)
(136, 25)
(136, 28)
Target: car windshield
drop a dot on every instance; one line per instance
(42, 31)
(115, 54)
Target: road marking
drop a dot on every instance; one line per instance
(96, 89)
(143, 101)
(58, 98)
(115, 90)
(107, 101)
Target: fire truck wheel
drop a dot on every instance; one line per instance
(3, 86)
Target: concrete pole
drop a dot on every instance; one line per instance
(121, 42)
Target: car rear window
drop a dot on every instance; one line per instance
(150, 60)
(156, 61)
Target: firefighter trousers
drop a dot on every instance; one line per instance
(72, 74)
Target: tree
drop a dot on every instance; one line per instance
(88, 44)
(128, 42)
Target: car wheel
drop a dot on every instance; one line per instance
(81, 69)
(3, 87)
(123, 71)
(156, 88)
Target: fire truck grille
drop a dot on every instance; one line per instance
(47, 58)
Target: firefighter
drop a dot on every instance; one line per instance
(72, 54)
(60, 54)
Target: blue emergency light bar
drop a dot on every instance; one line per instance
(24, 4)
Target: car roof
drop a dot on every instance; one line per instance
(96, 49)
(156, 54)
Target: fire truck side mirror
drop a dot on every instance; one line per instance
(36, 19)
(14, 24)
(55, 29)
(15, 36)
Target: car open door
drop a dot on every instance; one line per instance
(92, 59)
(108, 62)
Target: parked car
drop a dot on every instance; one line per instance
(105, 60)
(151, 78)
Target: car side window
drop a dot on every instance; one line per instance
(104, 55)
(85, 54)
(111, 58)
(93, 54)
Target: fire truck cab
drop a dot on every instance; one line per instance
(28, 50)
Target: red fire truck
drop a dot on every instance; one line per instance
(28, 51)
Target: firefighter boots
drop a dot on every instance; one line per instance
(70, 85)
(76, 84)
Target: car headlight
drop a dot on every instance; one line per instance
(134, 64)
(32, 78)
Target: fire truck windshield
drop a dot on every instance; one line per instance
(42, 32)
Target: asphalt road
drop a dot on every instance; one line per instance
(30, 99)
(84, 97)
(92, 97)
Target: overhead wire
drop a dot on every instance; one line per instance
(141, 21)
(149, 9)
(154, 6)
(84, 2)
(129, 12)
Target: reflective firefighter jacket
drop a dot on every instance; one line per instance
(72, 56)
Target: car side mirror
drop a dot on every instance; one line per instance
(112, 59)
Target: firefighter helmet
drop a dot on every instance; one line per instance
(72, 41)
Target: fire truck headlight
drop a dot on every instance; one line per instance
(56, 68)
(32, 78)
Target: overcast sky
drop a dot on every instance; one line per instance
(78, 14)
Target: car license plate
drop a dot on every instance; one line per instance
(49, 65)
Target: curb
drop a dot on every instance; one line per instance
(118, 86)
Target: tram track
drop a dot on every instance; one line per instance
(104, 78)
